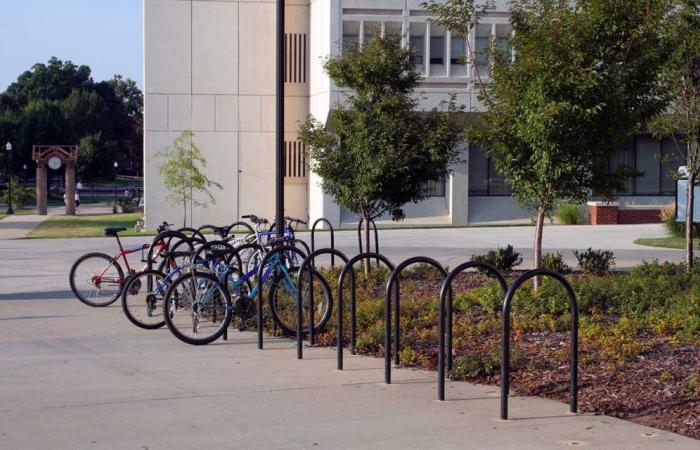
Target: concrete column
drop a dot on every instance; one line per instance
(70, 188)
(41, 190)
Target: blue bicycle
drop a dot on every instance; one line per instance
(199, 306)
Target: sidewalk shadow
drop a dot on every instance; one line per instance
(47, 295)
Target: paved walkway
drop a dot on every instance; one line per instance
(75, 377)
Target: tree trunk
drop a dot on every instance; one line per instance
(538, 244)
(366, 262)
(689, 220)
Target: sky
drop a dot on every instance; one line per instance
(103, 34)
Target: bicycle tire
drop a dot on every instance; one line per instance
(279, 318)
(76, 291)
(129, 302)
(170, 299)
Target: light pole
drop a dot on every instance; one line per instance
(116, 164)
(8, 148)
(279, 166)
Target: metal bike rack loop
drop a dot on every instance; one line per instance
(505, 343)
(313, 237)
(242, 225)
(169, 235)
(376, 236)
(445, 320)
(304, 267)
(353, 317)
(394, 281)
(261, 269)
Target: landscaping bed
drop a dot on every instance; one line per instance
(639, 338)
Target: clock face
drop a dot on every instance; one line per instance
(55, 162)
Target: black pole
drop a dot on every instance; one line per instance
(9, 183)
(115, 186)
(279, 170)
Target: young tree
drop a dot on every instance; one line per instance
(682, 77)
(584, 79)
(377, 152)
(182, 174)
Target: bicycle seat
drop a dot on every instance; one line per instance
(112, 231)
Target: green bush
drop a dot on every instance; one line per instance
(596, 262)
(504, 259)
(21, 195)
(555, 262)
(571, 214)
(673, 228)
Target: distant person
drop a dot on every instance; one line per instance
(127, 193)
(77, 200)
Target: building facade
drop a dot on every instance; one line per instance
(210, 68)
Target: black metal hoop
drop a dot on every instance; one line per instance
(313, 237)
(353, 319)
(394, 281)
(308, 261)
(445, 291)
(169, 235)
(505, 342)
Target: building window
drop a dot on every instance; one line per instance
(484, 180)
(482, 41)
(351, 34)
(657, 160)
(371, 30)
(458, 51)
(434, 188)
(437, 50)
(417, 44)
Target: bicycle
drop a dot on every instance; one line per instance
(97, 279)
(198, 308)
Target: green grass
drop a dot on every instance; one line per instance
(86, 226)
(663, 242)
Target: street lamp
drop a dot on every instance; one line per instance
(8, 148)
(116, 164)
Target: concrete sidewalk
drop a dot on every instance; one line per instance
(76, 377)
(18, 226)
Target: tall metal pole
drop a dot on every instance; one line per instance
(279, 170)
(9, 182)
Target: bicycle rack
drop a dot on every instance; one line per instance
(505, 343)
(303, 244)
(263, 263)
(308, 261)
(242, 225)
(353, 318)
(376, 236)
(394, 280)
(170, 235)
(313, 238)
(195, 232)
(445, 291)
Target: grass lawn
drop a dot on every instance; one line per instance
(86, 226)
(663, 242)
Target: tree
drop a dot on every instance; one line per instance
(376, 153)
(681, 75)
(182, 174)
(584, 80)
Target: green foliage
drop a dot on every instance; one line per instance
(505, 258)
(555, 261)
(673, 228)
(182, 174)
(21, 195)
(475, 365)
(59, 103)
(570, 213)
(127, 204)
(597, 262)
(377, 153)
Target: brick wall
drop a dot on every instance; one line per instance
(636, 215)
(601, 213)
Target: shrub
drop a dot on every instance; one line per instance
(555, 262)
(597, 262)
(504, 259)
(668, 217)
(21, 195)
(571, 214)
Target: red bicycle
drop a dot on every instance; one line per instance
(97, 279)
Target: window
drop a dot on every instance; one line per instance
(498, 185)
(434, 188)
(484, 180)
(437, 50)
(624, 157)
(502, 43)
(351, 34)
(647, 162)
(458, 51)
(481, 48)
(371, 30)
(392, 31)
(417, 44)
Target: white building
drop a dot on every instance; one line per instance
(210, 68)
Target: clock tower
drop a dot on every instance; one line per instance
(55, 157)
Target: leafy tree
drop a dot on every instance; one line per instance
(585, 78)
(377, 153)
(182, 174)
(682, 77)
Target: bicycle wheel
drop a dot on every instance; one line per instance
(197, 308)
(282, 299)
(96, 280)
(142, 299)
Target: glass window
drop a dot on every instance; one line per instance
(351, 34)
(371, 30)
(502, 43)
(481, 48)
(498, 185)
(434, 188)
(417, 44)
(648, 153)
(392, 31)
(478, 171)
(624, 157)
(458, 51)
(437, 50)
(672, 157)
